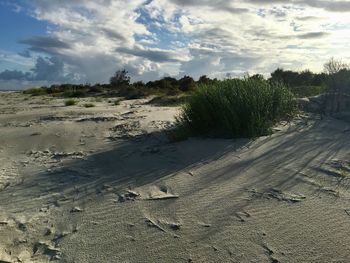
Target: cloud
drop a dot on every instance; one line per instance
(45, 69)
(48, 69)
(328, 5)
(155, 55)
(313, 35)
(14, 75)
(89, 40)
(25, 53)
(49, 45)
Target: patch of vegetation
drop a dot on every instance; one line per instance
(335, 80)
(98, 99)
(308, 91)
(70, 102)
(116, 102)
(164, 100)
(235, 108)
(36, 91)
(89, 105)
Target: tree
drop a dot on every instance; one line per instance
(333, 66)
(338, 82)
(187, 83)
(257, 77)
(204, 79)
(120, 79)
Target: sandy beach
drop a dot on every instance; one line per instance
(104, 184)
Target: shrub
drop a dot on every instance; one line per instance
(116, 102)
(130, 93)
(165, 100)
(36, 91)
(70, 102)
(187, 84)
(120, 79)
(89, 105)
(73, 94)
(235, 108)
(308, 91)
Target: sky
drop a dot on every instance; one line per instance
(43, 42)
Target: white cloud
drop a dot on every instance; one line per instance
(193, 37)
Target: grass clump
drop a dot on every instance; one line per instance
(165, 100)
(89, 105)
(36, 91)
(70, 102)
(234, 108)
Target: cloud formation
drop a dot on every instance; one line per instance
(89, 40)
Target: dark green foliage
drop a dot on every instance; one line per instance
(308, 91)
(116, 102)
(36, 91)
(301, 84)
(131, 92)
(235, 108)
(166, 85)
(187, 84)
(165, 100)
(120, 79)
(257, 77)
(338, 85)
(89, 105)
(204, 80)
(70, 102)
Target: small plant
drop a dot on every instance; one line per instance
(89, 105)
(116, 102)
(70, 102)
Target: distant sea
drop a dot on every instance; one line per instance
(6, 91)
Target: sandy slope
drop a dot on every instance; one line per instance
(104, 185)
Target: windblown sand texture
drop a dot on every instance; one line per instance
(104, 184)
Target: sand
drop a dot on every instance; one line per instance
(104, 184)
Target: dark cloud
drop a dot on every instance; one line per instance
(49, 69)
(307, 18)
(278, 13)
(45, 69)
(44, 44)
(113, 34)
(263, 34)
(150, 54)
(215, 4)
(333, 6)
(15, 75)
(25, 53)
(313, 35)
(329, 5)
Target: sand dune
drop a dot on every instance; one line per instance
(104, 184)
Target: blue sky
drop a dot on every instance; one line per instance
(16, 24)
(45, 42)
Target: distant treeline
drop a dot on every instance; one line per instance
(335, 78)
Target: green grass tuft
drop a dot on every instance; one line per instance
(89, 105)
(70, 102)
(235, 108)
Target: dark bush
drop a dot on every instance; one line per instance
(187, 84)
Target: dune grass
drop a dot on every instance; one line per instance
(234, 108)
(89, 105)
(70, 102)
